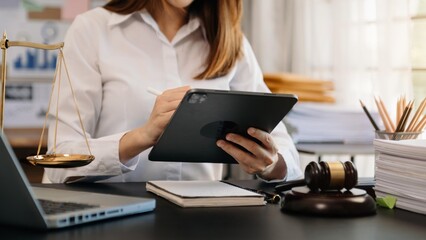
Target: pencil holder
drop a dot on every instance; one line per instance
(397, 135)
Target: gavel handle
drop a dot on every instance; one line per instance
(289, 185)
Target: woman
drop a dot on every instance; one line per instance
(116, 52)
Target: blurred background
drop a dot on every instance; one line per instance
(331, 53)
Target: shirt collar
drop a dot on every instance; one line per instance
(147, 18)
(193, 24)
(116, 18)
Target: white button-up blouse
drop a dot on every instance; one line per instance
(112, 59)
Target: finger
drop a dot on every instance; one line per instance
(164, 107)
(169, 97)
(175, 93)
(260, 152)
(178, 89)
(168, 101)
(246, 143)
(246, 160)
(264, 137)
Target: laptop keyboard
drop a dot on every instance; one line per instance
(52, 207)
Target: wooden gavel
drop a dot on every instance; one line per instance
(331, 175)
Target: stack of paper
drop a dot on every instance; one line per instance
(306, 88)
(316, 122)
(401, 172)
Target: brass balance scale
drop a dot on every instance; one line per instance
(52, 160)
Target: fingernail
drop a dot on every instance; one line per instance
(219, 144)
(228, 137)
(251, 130)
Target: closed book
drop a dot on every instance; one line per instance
(204, 193)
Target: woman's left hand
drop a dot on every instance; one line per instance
(261, 159)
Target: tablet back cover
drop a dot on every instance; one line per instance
(204, 116)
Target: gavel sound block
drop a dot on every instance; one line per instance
(329, 192)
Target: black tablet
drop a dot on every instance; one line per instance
(204, 116)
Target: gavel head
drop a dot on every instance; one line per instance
(331, 175)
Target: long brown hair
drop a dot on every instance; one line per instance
(221, 19)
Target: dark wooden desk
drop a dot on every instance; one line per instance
(169, 221)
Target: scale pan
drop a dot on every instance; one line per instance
(61, 160)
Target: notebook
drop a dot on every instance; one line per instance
(204, 193)
(43, 208)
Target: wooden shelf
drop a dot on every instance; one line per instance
(25, 137)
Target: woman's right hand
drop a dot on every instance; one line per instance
(164, 107)
(146, 136)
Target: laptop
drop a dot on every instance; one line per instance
(45, 208)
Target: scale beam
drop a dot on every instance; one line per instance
(4, 45)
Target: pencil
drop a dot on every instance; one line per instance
(369, 116)
(416, 116)
(421, 125)
(403, 121)
(382, 115)
(404, 117)
(392, 125)
(153, 91)
(398, 109)
(404, 102)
